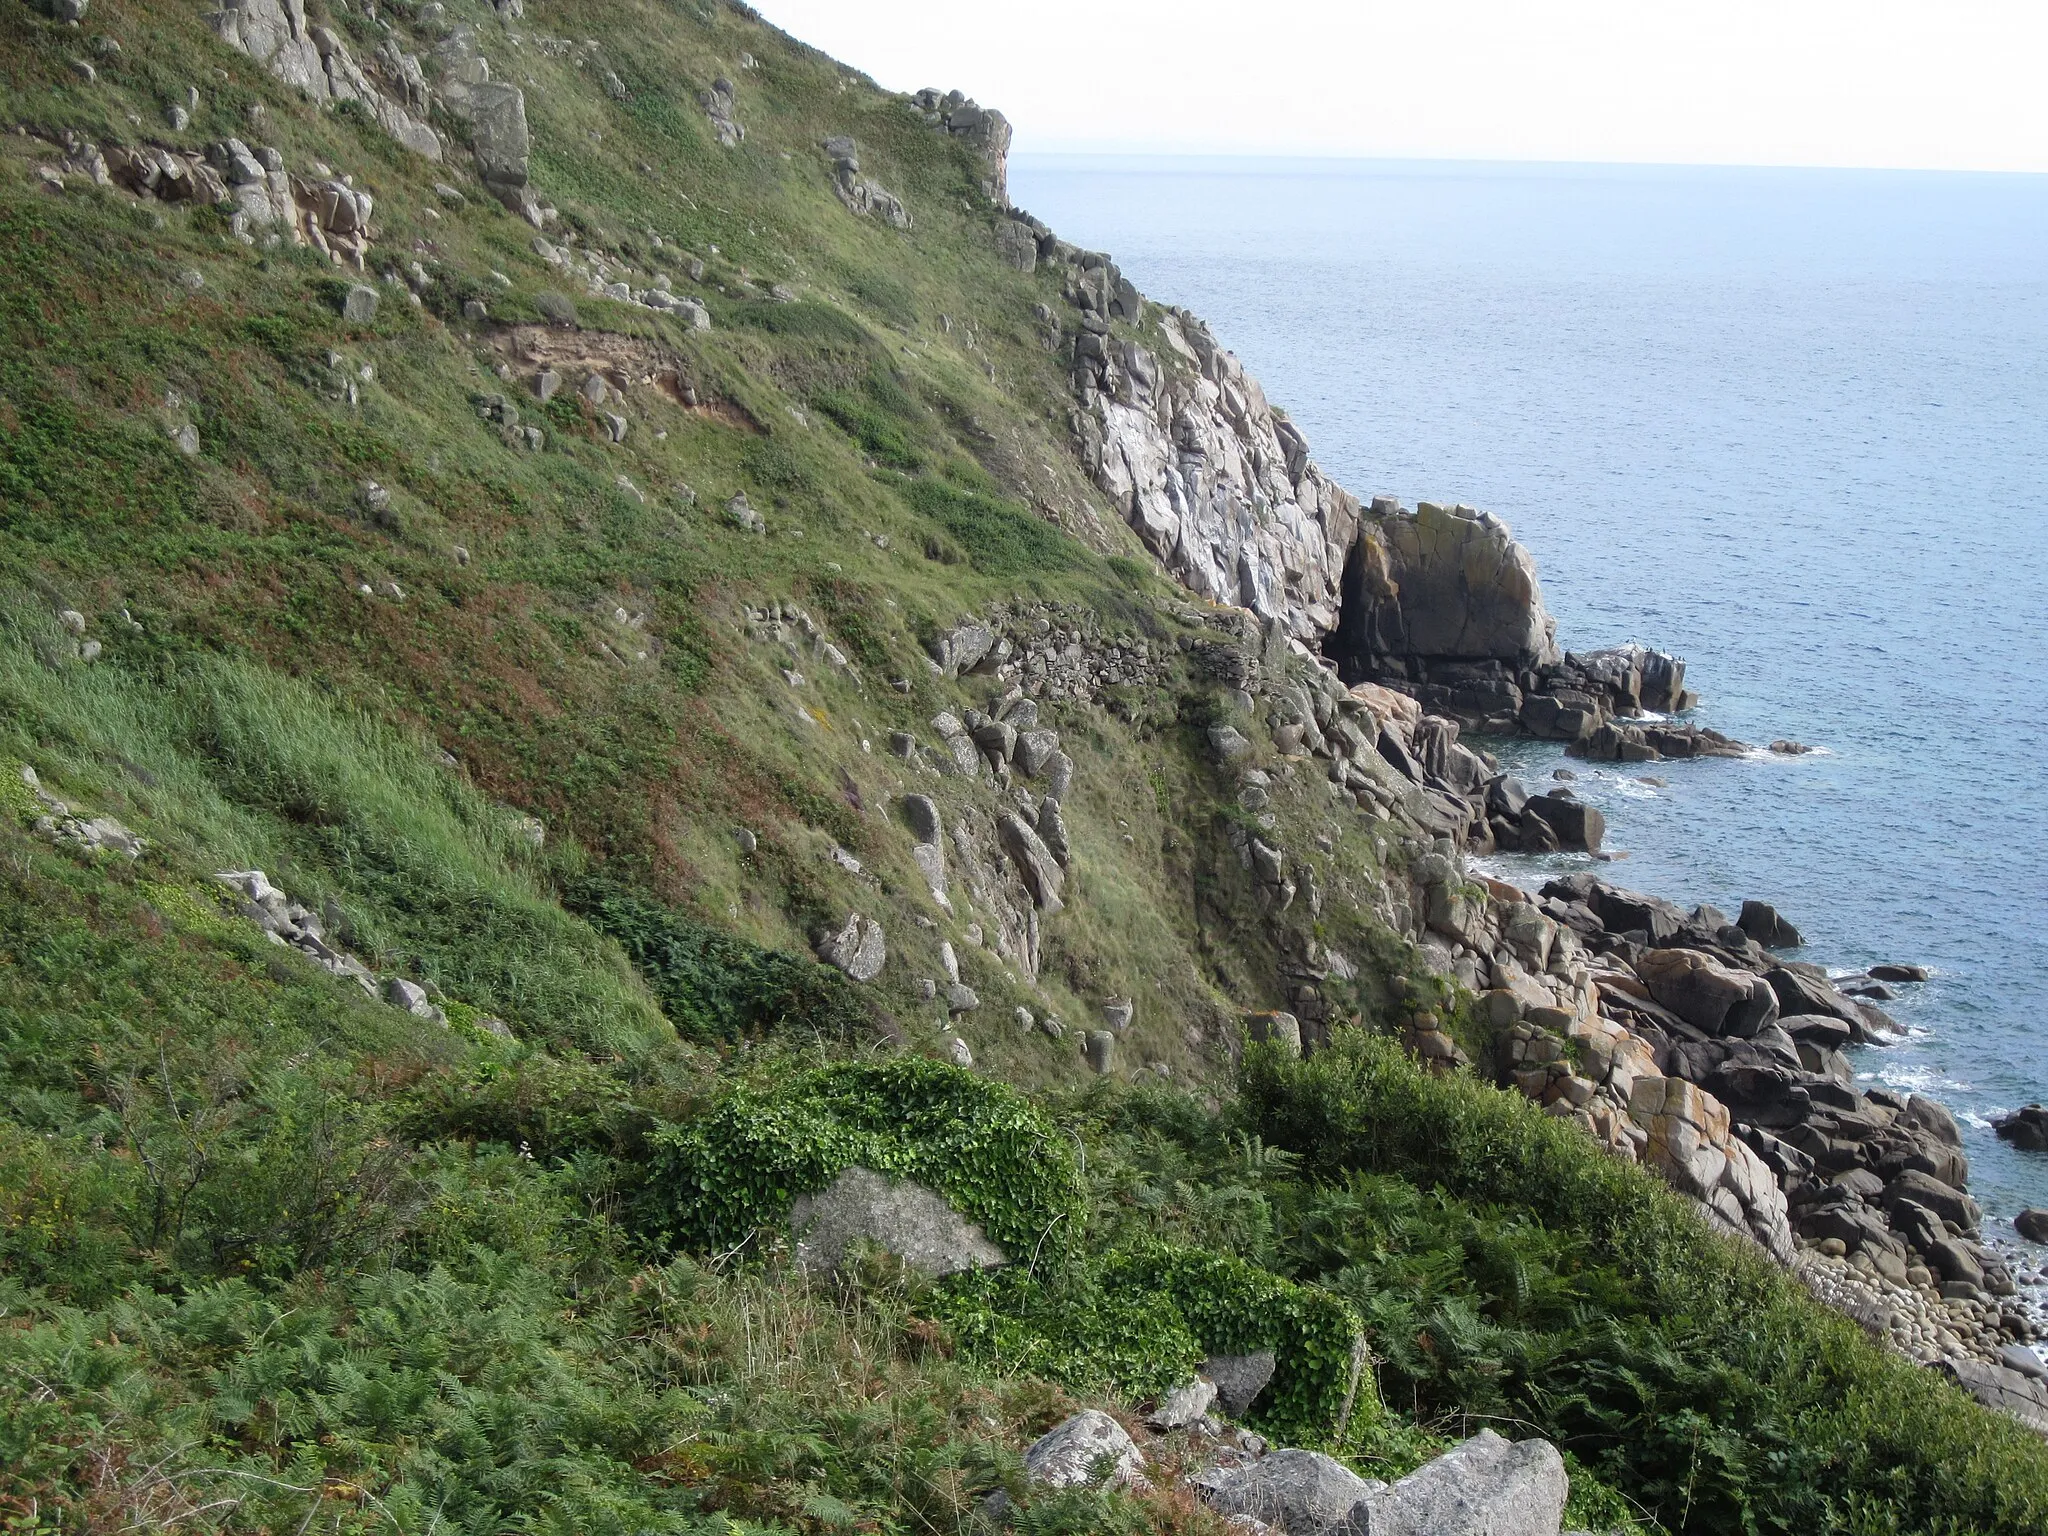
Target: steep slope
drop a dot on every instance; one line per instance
(581, 596)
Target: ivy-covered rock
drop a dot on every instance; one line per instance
(1142, 1321)
(742, 1164)
(1321, 1391)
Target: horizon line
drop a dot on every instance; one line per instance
(1334, 158)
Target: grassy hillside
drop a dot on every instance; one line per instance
(514, 715)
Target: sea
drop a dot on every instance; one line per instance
(1791, 425)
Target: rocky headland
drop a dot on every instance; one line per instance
(1379, 646)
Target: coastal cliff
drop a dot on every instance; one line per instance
(701, 832)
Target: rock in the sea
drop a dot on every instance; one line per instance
(1442, 584)
(1800, 994)
(1486, 1487)
(2032, 1224)
(1760, 920)
(2025, 1128)
(1079, 1451)
(910, 1221)
(1576, 827)
(1240, 1378)
(1302, 1493)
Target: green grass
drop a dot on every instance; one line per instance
(272, 1252)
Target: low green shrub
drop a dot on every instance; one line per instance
(1139, 1321)
(1069, 1327)
(1321, 1391)
(1573, 1293)
(718, 986)
(863, 420)
(806, 319)
(717, 1179)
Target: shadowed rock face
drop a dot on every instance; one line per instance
(1437, 585)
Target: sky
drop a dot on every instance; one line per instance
(1919, 84)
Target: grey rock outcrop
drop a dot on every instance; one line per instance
(276, 34)
(982, 129)
(962, 648)
(1239, 1379)
(1036, 863)
(1302, 1493)
(1487, 1486)
(1017, 245)
(1441, 584)
(80, 831)
(900, 1215)
(1995, 1386)
(1219, 487)
(922, 815)
(721, 104)
(859, 948)
(1088, 1449)
(504, 147)
(1183, 1406)
(862, 195)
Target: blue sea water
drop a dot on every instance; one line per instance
(1792, 425)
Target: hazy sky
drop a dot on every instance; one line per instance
(1946, 84)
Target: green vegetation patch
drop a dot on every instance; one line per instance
(999, 537)
(1518, 1271)
(1141, 1321)
(719, 1178)
(715, 985)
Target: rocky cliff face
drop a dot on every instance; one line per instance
(1440, 602)
(277, 34)
(1680, 1041)
(1219, 486)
